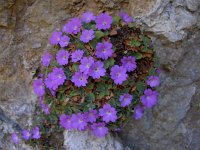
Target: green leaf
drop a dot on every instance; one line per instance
(138, 55)
(90, 106)
(80, 45)
(135, 43)
(90, 97)
(103, 89)
(156, 62)
(90, 25)
(93, 43)
(113, 103)
(101, 95)
(82, 91)
(67, 73)
(98, 34)
(90, 86)
(74, 93)
(152, 71)
(132, 24)
(68, 110)
(116, 19)
(146, 42)
(75, 67)
(62, 89)
(109, 62)
(106, 32)
(140, 87)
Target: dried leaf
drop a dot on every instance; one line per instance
(113, 32)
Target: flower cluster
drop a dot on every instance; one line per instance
(26, 135)
(95, 82)
(87, 120)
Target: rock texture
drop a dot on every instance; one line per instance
(89, 142)
(25, 27)
(169, 125)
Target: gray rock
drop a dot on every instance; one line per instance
(85, 140)
(168, 125)
(25, 28)
(4, 15)
(192, 4)
(166, 18)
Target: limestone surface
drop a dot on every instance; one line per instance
(25, 28)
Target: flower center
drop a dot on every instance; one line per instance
(125, 99)
(59, 76)
(104, 50)
(148, 97)
(88, 37)
(108, 112)
(80, 120)
(64, 57)
(104, 23)
(75, 27)
(88, 65)
(58, 39)
(118, 74)
(81, 78)
(96, 69)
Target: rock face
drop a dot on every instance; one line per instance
(87, 141)
(25, 27)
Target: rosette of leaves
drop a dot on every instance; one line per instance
(100, 72)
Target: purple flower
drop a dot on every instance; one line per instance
(60, 76)
(55, 37)
(53, 93)
(36, 133)
(118, 74)
(38, 87)
(62, 57)
(87, 17)
(125, 99)
(158, 70)
(15, 138)
(103, 21)
(44, 106)
(87, 35)
(86, 63)
(91, 116)
(77, 55)
(104, 50)
(108, 113)
(79, 79)
(138, 112)
(149, 98)
(99, 129)
(55, 78)
(79, 121)
(73, 26)
(129, 63)
(153, 81)
(50, 81)
(126, 18)
(46, 59)
(97, 70)
(66, 122)
(26, 134)
(64, 41)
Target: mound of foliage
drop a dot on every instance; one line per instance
(100, 73)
